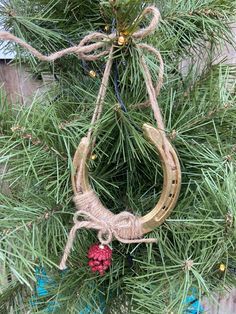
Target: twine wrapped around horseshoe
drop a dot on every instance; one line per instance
(125, 227)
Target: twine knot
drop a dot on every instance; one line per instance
(124, 227)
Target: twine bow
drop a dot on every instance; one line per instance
(125, 227)
(115, 227)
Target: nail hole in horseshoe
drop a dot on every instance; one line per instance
(164, 207)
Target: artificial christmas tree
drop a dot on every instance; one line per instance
(38, 142)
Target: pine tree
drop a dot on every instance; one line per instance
(195, 250)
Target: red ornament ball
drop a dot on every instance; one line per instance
(99, 258)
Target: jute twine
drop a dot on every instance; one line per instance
(125, 227)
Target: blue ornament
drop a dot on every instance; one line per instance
(43, 285)
(194, 305)
(43, 281)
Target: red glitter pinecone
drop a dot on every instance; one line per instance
(100, 258)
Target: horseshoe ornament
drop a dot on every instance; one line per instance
(125, 227)
(171, 176)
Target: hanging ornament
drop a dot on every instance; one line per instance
(99, 258)
(124, 227)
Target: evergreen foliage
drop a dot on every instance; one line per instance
(37, 144)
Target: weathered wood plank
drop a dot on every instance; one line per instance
(18, 83)
(20, 88)
(226, 304)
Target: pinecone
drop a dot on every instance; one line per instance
(99, 258)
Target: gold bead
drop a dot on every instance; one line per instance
(92, 74)
(126, 33)
(121, 40)
(106, 28)
(222, 267)
(93, 157)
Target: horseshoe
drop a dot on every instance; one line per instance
(171, 176)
